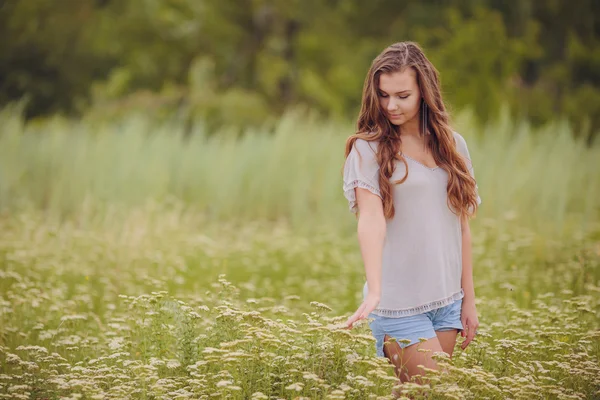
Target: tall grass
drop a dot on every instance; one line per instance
(543, 179)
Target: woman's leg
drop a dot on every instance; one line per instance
(405, 360)
(447, 339)
(447, 324)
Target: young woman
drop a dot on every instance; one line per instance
(410, 180)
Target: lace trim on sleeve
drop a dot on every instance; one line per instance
(350, 194)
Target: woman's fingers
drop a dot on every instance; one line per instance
(355, 317)
(471, 330)
(465, 343)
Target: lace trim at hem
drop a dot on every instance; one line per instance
(420, 309)
(350, 194)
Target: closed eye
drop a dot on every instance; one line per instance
(400, 97)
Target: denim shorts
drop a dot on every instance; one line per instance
(417, 326)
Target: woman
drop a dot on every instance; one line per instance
(410, 180)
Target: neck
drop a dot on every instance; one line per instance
(410, 128)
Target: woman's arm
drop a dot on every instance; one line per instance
(468, 314)
(467, 264)
(371, 236)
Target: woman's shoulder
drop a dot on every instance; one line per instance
(365, 146)
(463, 149)
(458, 138)
(461, 143)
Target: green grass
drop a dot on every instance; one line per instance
(546, 180)
(135, 264)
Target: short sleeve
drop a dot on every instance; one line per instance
(360, 170)
(462, 148)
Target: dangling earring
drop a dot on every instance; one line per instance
(424, 110)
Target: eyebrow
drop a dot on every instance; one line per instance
(402, 91)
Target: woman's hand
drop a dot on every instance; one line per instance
(470, 322)
(369, 304)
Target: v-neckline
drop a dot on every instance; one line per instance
(420, 163)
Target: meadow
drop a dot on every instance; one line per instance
(142, 260)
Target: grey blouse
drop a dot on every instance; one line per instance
(422, 253)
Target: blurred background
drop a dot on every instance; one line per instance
(240, 62)
(241, 108)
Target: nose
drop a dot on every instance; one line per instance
(392, 105)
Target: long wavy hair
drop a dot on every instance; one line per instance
(373, 125)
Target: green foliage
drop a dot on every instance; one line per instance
(477, 58)
(47, 53)
(542, 58)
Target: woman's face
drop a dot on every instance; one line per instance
(399, 96)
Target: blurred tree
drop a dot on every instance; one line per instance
(559, 73)
(45, 54)
(542, 58)
(477, 60)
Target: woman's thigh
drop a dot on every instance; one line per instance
(447, 340)
(447, 324)
(403, 351)
(407, 360)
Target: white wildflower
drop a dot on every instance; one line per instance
(116, 343)
(298, 386)
(320, 306)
